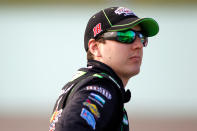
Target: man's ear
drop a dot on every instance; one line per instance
(94, 47)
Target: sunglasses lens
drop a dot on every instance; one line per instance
(126, 37)
(143, 39)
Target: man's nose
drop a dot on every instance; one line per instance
(137, 44)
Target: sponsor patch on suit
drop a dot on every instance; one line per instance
(93, 99)
(88, 117)
(92, 108)
(101, 90)
(97, 97)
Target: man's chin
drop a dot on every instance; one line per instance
(135, 73)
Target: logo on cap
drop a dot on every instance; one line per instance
(97, 29)
(125, 11)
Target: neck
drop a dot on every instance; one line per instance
(124, 83)
(124, 80)
(105, 67)
(123, 77)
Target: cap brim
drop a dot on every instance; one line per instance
(148, 25)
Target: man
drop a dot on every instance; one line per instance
(94, 99)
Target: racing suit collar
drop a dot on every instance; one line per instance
(101, 67)
(98, 66)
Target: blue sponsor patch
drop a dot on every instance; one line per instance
(99, 103)
(86, 115)
(97, 97)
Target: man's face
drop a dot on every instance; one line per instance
(124, 59)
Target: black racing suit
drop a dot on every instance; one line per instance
(92, 101)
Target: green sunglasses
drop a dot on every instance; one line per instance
(126, 37)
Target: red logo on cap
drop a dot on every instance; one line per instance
(97, 29)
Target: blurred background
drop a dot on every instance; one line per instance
(41, 47)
